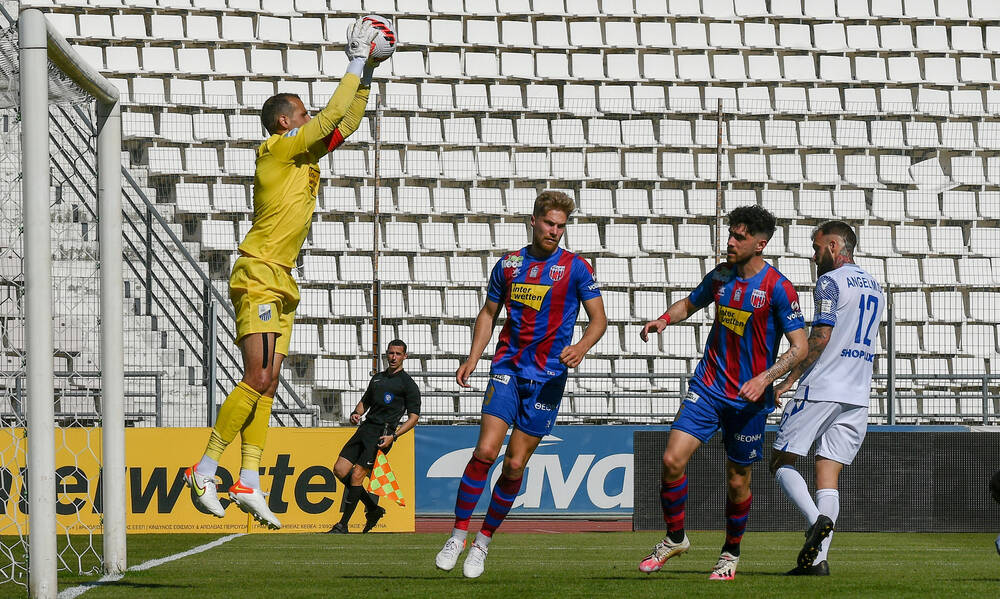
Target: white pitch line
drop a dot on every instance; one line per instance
(73, 592)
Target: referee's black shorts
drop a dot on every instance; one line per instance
(361, 448)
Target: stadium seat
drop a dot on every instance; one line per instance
(622, 239)
(355, 269)
(947, 306)
(431, 269)
(346, 302)
(438, 237)
(461, 303)
(984, 241)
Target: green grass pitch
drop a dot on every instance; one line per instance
(550, 565)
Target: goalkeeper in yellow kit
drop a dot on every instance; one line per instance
(261, 287)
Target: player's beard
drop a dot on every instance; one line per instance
(825, 263)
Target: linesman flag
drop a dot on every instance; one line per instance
(383, 481)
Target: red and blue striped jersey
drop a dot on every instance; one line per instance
(750, 317)
(542, 299)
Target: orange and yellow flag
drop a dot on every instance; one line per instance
(383, 481)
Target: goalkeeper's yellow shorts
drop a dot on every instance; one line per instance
(264, 296)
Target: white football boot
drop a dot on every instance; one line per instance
(448, 556)
(204, 493)
(252, 502)
(475, 562)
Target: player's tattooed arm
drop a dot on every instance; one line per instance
(819, 337)
(753, 390)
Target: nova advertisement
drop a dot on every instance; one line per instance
(576, 470)
(296, 469)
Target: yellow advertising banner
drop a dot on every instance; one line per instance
(296, 469)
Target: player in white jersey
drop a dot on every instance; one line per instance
(830, 406)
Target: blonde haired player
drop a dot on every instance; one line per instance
(261, 287)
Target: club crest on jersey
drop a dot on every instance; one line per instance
(264, 312)
(556, 272)
(733, 319)
(529, 295)
(758, 298)
(388, 398)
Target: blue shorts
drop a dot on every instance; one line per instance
(531, 406)
(742, 426)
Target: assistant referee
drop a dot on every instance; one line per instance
(389, 394)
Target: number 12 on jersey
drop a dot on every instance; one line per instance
(868, 303)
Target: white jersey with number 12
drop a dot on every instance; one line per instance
(852, 302)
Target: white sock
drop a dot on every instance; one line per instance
(828, 501)
(797, 490)
(207, 466)
(482, 540)
(458, 533)
(250, 478)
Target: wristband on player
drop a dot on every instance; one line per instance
(356, 66)
(366, 74)
(665, 317)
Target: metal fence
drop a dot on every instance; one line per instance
(419, 204)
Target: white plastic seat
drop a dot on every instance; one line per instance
(822, 169)
(584, 238)
(939, 271)
(904, 69)
(911, 306)
(947, 240)
(860, 171)
(876, 240)
(796, 270)
(779, 202)
(474, 236)
(657, 238)
(902, 272)
(622, 239)
(438, 236)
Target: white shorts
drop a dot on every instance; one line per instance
(837, 428)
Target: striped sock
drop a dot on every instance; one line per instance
(673, 497)
(504, 494)
(469, 490)
(736, 523)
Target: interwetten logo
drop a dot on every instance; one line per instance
(529, 295)
(733, 319)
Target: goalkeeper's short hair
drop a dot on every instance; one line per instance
(275, 106)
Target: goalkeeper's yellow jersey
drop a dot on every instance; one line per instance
(286, 181)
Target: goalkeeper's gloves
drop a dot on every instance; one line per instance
(360, 36)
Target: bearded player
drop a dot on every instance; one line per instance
(830, 407)
(542, 287)
(731, 387)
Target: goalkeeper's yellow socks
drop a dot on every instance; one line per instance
(232, 418)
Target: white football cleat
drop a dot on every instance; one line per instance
(252, 502)
(725, 568)
(661, 552)
(448, 556)
(204, 493)
(475, 562)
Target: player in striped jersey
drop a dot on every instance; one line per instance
(731, 387)
(541, 287)
(831, 402)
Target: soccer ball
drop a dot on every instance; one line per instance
(385, 41)
(995, 487)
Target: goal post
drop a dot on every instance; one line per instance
(41, 47)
